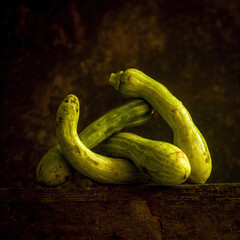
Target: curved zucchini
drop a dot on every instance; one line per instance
(134, 83)
(53, 169)
(163, 162)
(99, 168)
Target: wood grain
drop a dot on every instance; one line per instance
(209, 211)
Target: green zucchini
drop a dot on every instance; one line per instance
(99, 168)
(164, 163)
(53, 169)
(134, 83)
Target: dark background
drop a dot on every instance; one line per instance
(52, 48)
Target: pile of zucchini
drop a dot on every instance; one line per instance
(123, 157)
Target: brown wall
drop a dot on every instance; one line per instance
(55, 48)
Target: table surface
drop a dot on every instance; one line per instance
(209, 211)
(110, 193)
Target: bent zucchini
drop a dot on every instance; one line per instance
(163, 162)
(134, 83)
(53, 169)
(99, 168)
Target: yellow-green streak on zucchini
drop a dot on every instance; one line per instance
(53, 169)
(134, 83)
(99, 168)
(163, 162)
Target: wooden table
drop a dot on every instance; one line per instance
(209, 211)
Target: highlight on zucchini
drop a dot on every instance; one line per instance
(53, 169)
(99, 168)
(164, 163)
(134, 83)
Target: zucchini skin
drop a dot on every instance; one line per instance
(164, 163)
(53, 169)
(99, 168)
(134, 83)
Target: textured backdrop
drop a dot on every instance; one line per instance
(51, 49)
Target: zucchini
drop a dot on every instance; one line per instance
(164, 163)
(134, 83)
(98, 168)
(53, 169)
